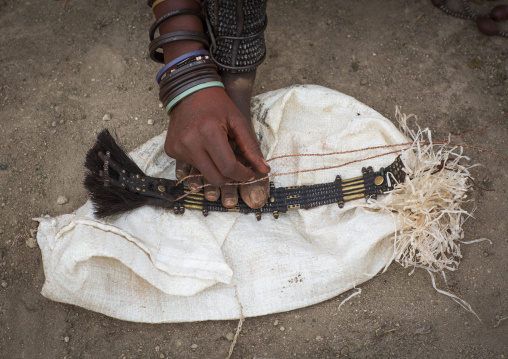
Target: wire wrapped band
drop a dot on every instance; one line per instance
(178, 60)
(185, 71)
(171, 86)
(191, 91)
(158, 22)
(172, 37)
(182, 87)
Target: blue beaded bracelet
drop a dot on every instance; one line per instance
(179, 59)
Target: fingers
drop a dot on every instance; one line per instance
(202, 161)
(256, 194)
(224, 158)
(194, 183)
(212, 193)
(248, 144)
(229, 196)
(182, 169)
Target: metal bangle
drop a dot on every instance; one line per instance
(163, 91)
(191, 91)
(179, 59)
(173, 37)
(159, 21)
(184, 70)
(191, 82)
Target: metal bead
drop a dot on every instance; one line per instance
(499, 13)
(487, 26)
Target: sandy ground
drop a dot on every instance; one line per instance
(63, 70)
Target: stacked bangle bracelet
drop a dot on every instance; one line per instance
(191, 91)
(178, 60)
(188, 73)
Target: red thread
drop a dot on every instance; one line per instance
(443, 142)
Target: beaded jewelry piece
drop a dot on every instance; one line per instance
(485, 23)
(116, 184)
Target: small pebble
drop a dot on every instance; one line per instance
(135, 118)
(53, 124)
(31, 243)
(150, 122)
(53, 132)
(62, 122)
(3, 166)
(161, 356)
(485, 254)
(363, 82)
(66, 339)
(194, 346)
(319, 338)
(344, 351)
(466, 324)
(230, 336)
(160, 104)
(106, 117)
(282, 328)
(62, 200)
(424, 330)
(276, 323)
(4, 284)
(157, 348)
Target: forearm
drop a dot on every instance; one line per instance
(179, 23)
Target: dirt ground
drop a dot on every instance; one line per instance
(63, 70)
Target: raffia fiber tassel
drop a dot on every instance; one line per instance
(428, 205)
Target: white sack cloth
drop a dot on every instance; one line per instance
(151, 265)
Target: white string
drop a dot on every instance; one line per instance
(358, 291)
(239, 327)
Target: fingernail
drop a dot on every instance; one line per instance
(229, 202)
(193, 186)
(212, 194)
(257, 195)
(266, 163)
(179, 174)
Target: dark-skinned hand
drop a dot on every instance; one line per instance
(205, 130)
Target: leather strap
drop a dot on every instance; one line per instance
(163, 192)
